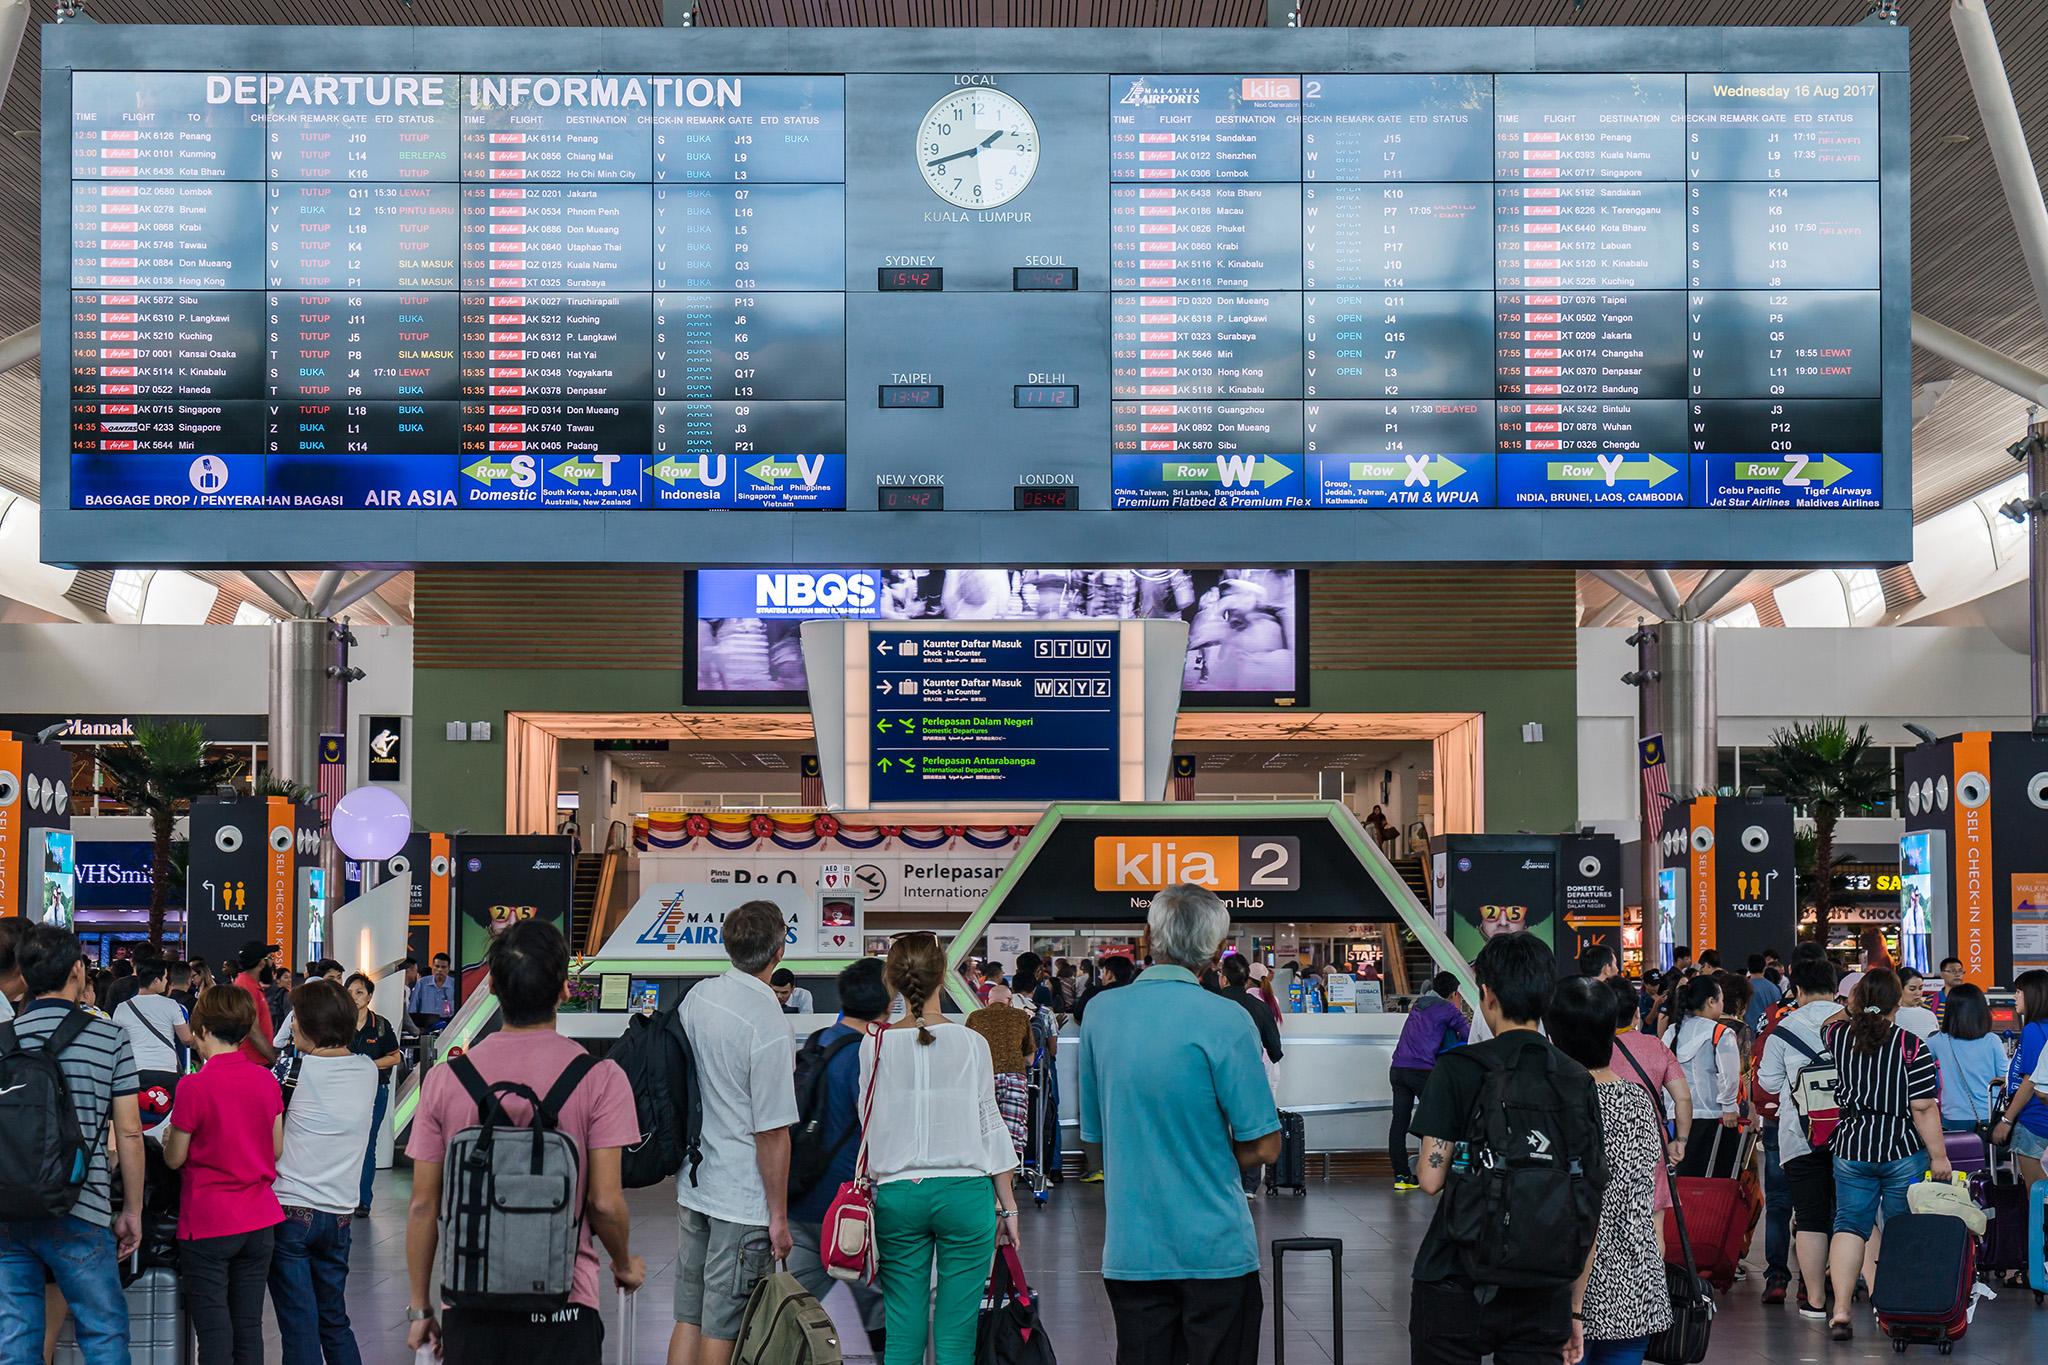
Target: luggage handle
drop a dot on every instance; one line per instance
(1283, 1245)
(629, 1324)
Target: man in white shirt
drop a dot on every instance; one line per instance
(157, 1032)
(1794, 1044)
(734, 1219)
(793, 998)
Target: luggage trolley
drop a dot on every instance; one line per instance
(1039, 1161)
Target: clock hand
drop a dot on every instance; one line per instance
(955, 156)
(991, 137)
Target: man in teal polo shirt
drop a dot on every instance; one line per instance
(1173, 1089)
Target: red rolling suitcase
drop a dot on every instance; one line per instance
(1926, 1277)
(1720, 1215)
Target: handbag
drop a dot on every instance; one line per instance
(1010, 1332)
(1684, 1342)
(846, 1241)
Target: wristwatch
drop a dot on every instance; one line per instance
(419, 1315)
(1006, 1213)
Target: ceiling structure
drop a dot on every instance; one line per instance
(1967, 269)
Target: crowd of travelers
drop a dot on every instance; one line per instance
(1850, 1083)
(264, 1107)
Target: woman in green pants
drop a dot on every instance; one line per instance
(940, 1158)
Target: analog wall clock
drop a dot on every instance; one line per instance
(977, 148)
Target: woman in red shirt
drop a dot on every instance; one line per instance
(226, 1131)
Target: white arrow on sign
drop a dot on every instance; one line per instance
(884, 647)
(888, 688)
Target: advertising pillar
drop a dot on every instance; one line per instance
(503, 878)
(37, 871)
(1497, 884)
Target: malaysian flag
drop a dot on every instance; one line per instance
(333, 773)
(1183, 777)
(810, 782)
(1656, 781)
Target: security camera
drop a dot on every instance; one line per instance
(1920, 732)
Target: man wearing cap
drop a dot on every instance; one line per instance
(257, 1047)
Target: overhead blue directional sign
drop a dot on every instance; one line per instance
(1011, 716)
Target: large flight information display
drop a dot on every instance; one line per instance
(809, 291)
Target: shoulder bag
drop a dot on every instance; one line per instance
(1010, 1332)
(1684, 1342)
(846, 1242)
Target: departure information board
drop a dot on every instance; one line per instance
(484, 286)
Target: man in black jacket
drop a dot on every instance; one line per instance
(1477, 1292)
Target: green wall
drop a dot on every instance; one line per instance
(462, 786)
(1532, 787)
(1528, 786)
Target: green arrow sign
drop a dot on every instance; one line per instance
(576, 471)
(671, 469)
(1649, 473)
(884, 725)
(1827, 471)
(1268, 471)
(488, 471)
(772, 470)
(1437, 470)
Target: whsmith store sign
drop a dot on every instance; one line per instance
(118, 727)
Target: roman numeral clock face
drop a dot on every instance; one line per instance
(977, 148)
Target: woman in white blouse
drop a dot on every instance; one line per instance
(940, 1158)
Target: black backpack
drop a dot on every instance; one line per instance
(1522, 1201)
(44, 1156)
(655, 1055)
(810, 1152)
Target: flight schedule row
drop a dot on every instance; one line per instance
(1480, 236)
(1339, 344)
(397, 236)
(1512, 127)
(436, 347)
(336, 126)
(1479, 453)
(184, 453)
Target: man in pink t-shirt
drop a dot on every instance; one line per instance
(529, 970)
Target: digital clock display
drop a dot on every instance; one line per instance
(915, 279)
(1045, 396)
(925, 498)
(911, 396)
(1025, 277)
(1045, 498)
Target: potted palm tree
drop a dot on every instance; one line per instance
(1823, 769)
(158, 774)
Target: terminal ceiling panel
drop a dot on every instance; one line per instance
(997, 296)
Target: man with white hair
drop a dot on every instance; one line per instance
(1172, 1089)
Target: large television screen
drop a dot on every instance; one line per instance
(1246, 626)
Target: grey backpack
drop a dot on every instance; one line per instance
(510, 1217)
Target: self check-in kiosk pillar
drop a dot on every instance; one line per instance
(1973, 863)
(1729, 866)
(38, 874)
(247, 877)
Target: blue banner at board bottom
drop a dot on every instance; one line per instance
(1150, 480)
(1403, 480)
(1854, 479)
(101, 479)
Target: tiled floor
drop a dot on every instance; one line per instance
(1063, 1248)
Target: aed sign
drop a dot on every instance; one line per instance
(1218, 862)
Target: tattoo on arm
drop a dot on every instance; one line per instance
(1436, 1158)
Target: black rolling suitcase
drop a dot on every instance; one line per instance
(1291, 1170)
(1926, 1278)
(1283, 1245)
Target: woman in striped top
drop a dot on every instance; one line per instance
(1889, 1091)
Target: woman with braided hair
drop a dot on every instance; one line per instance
(940, 1156)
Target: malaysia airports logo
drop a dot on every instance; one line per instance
(208, 474)
(1144, 95)
(674, 925)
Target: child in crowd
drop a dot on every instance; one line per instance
(317, 1175)
(226, 1131)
